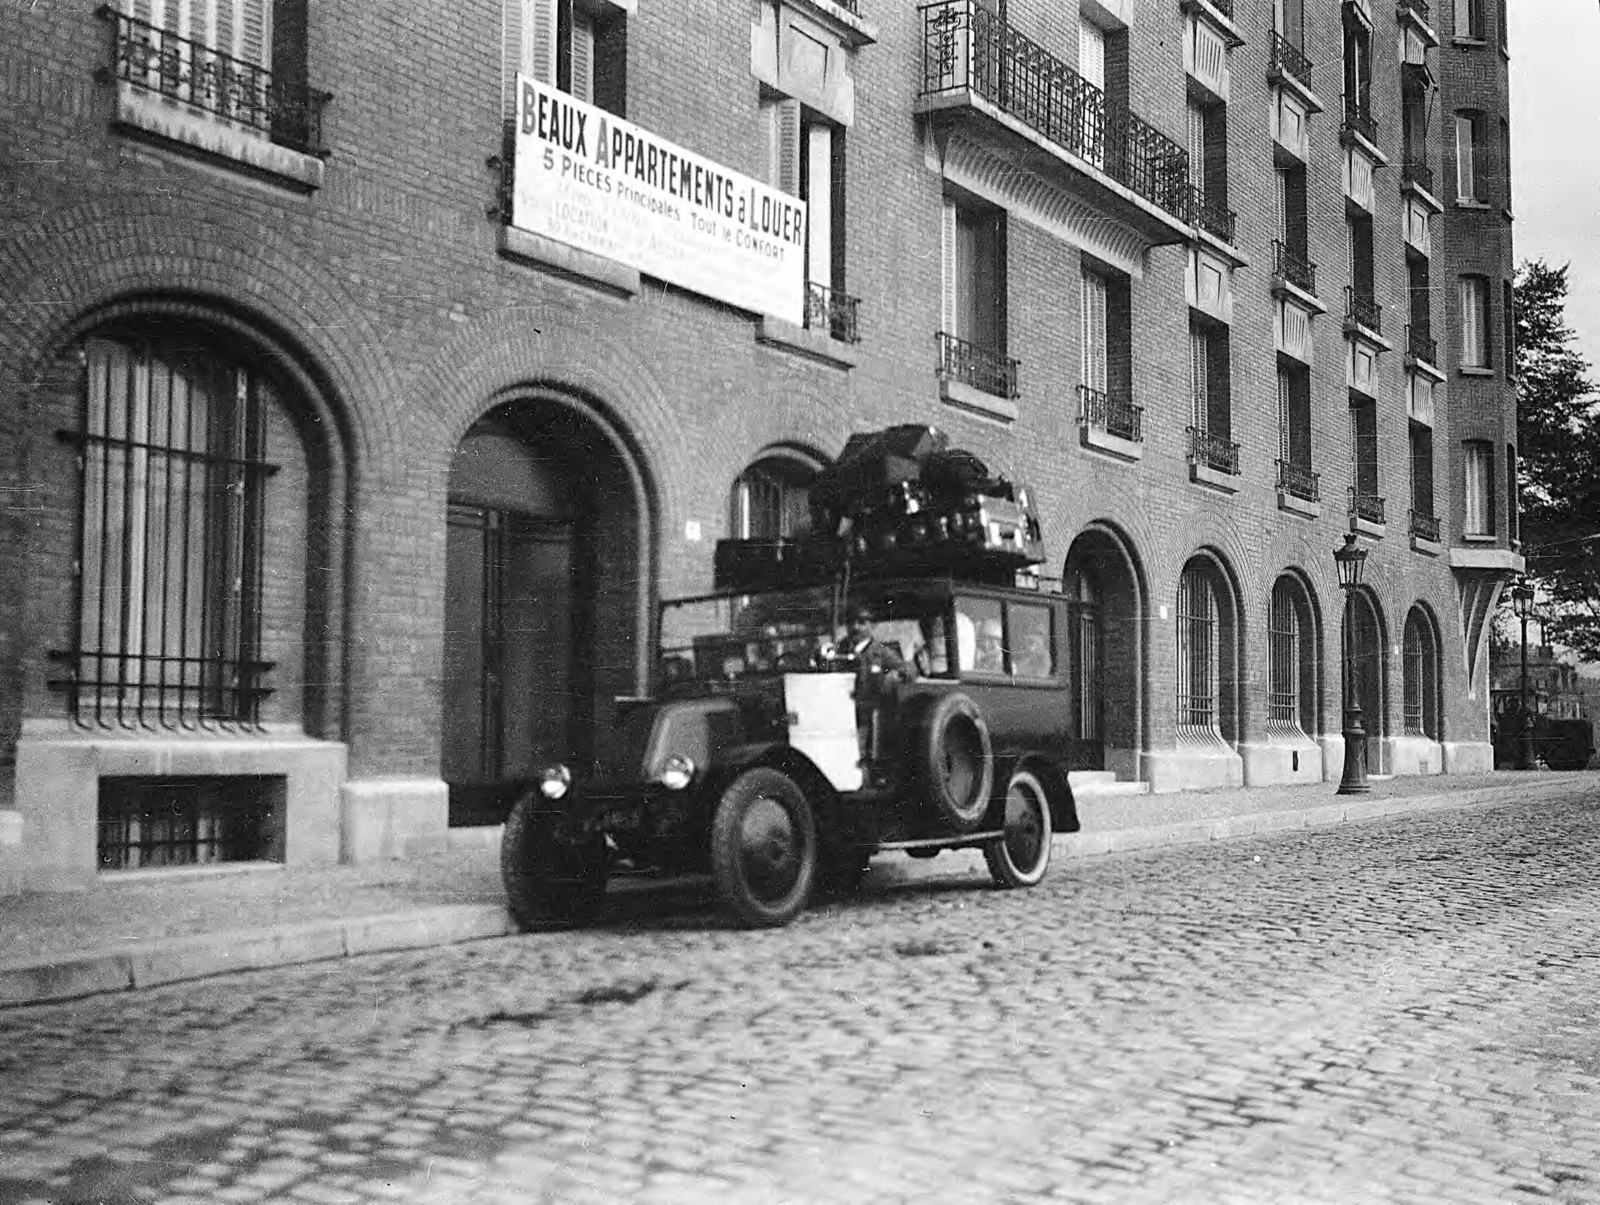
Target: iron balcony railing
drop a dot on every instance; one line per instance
(832, 311)
(968, 48)
(1288, 59)
(1425, 527)
(1416, 171)
(853, 7)
(981, 367)
(1358, 119)
(1300, 481)
(1213, 451)
(1368, 507)
(1211, 215)
(1102, 411)
(151, 58)
(1419, 7)
(1293, 266)
(1422, 345)
(1363, 309)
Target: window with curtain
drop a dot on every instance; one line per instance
(1477, 487)
(1469, 155)
(1474, 322)
(1096, 293)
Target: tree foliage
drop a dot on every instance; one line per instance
(1558, 441)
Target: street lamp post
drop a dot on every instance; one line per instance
(1350, 558)
(1522, 603)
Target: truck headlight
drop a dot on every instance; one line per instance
(555, 782)
(677, 772)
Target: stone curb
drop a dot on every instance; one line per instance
(172, 960)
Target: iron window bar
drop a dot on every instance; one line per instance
(967, 48)
(981, 367)
(1421, 344)
(1293, 266)
(158, 60)
(1362, 308)
(1288, 59)
(1299, 481)
(1106, 412)
(1425, 526)
(832, 311)
(1366, 507)
(1213, 451)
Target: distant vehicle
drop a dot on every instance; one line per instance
(889, 688)
(1562, 744)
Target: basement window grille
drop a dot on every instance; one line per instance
(148, 823)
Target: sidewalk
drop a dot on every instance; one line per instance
(149, 929)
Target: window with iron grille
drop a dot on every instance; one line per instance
(1284, 639)
(146, 823)
(1419, 695)
(1087, 649)
(174, 465)
(1197, 651)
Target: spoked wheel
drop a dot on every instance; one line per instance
(764, 847)
(546, 877)
(1021, 855)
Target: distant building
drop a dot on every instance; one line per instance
(368, 373)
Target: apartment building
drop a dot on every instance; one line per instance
(369, 372)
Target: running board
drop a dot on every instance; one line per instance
(966, 841)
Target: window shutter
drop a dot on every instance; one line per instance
(1094, 330)
(253, 22)
(538, 53)
(1092, 54)
(1464, 166)
(1476, 491)
(948, 268)
(1198, 387)
(510, 56)
(819, 204)
(1197, 142)
(785, 145)
(1474, 335)
(582, 69)
(1285, 418)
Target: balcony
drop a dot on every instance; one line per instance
(1289, 60)
(1361, 308)
(983, 368)
(1035, 112)
(1417, 172)
(1365, 508)
(1212, 216)
(1359, 122)
(1420, 345)
(152, 61)
(1425, 527)
(832, 311)
(1299, 481)
(1213, 452)
(1292, 265)
(1418, 8)
(1101, 411)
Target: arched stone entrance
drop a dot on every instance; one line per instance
(541, 608)
(1105, 654)
(1364, 678)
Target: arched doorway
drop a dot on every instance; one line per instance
(542, 555)
(1104, 654)
(1364, 672)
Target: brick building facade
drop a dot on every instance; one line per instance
(335, 500)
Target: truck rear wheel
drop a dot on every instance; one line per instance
(1020, 856)
(547, 878)
(764, 847)
(955, 763)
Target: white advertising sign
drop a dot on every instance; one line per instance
(587, 178)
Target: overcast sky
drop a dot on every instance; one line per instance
(1555, 149)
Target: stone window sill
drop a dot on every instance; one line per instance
(975, 401)
(807, 343)
(1113, 445)
(1426, 547)
(523, 246)
(1367, 527)
(1296, 505)
(1475, 370)
(171, 121)
(1204, 474)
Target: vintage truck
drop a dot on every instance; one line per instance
(892, 682)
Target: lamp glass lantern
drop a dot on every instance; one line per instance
(1350, 558)
(1522, 599)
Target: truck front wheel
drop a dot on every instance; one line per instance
(764, 847)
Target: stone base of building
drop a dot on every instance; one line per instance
(393, 818)
(1468, 757)
(1196, 768)
(60, 766)
(1332, 756)
(10, 851)
(1281, 759)
(1413, 755)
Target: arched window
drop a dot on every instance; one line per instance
(771, 499)
(1291, 656)
(1420, 702)
(179, 450)
(1198, 637)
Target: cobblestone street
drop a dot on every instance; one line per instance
(1397, 1011)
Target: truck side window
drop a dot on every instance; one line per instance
(1032, 643)
(981, 636)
